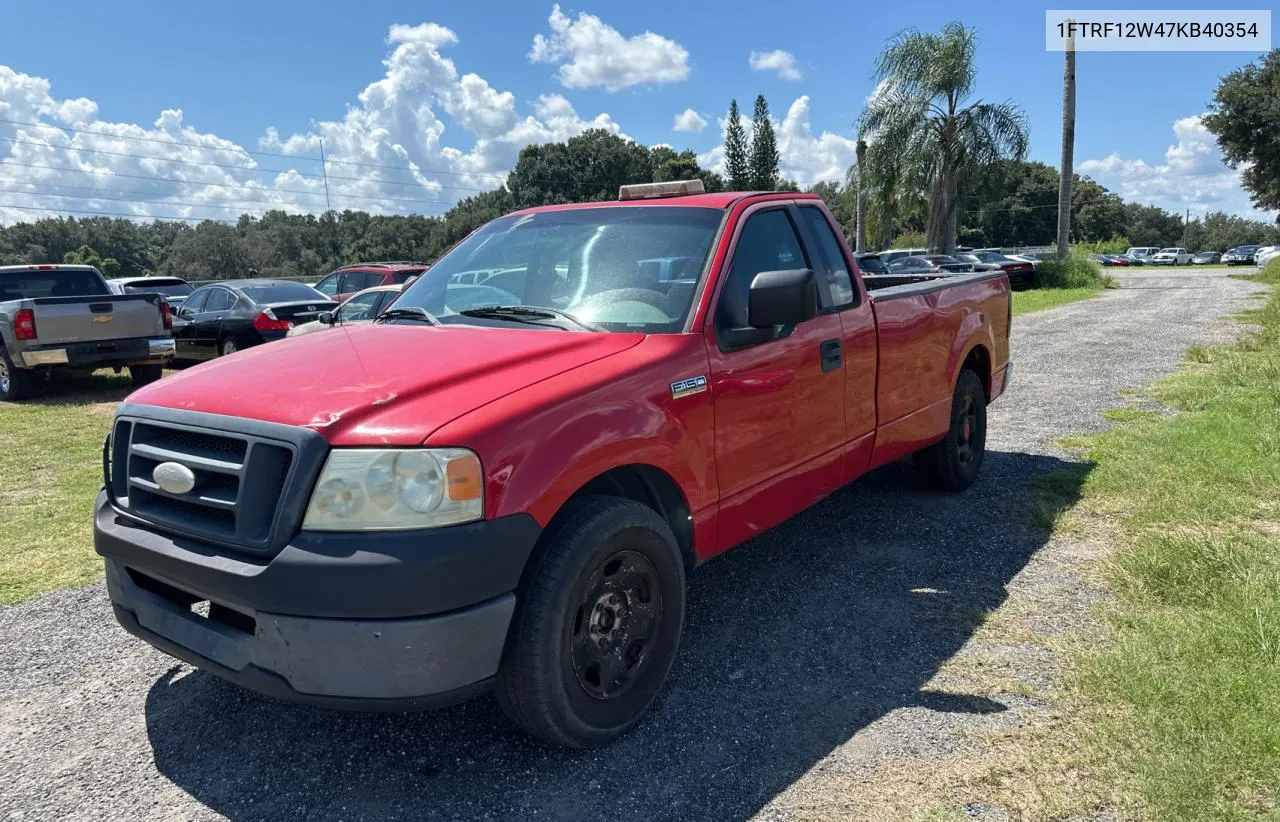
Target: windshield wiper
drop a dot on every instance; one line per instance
(407, 312)
(526, 314)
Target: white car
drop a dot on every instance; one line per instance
(1143, 252)
(1266, 254)
(1172, 256)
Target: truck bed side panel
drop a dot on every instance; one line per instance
(926, 332)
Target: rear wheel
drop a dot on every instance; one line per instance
(952, 464)
(597, 624)
(15, 383)
(228, 347)
(145, 374)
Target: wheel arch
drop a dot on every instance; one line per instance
(652, 487)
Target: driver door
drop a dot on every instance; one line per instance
(780, 404)
(184, 327)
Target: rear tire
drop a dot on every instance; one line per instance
(227, 347)
(15, 383)
(597, 624)
(953, 463)
(145, 374)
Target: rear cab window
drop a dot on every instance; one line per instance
(29, 285)
(828, 251)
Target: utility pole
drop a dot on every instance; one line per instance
(1067, 167)
(324, 172)
(1186, 224)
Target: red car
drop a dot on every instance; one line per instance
(504, 480)
(349, 280)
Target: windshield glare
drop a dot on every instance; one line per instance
(620, 268)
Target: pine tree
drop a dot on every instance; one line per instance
(764, 148)
(735, 151)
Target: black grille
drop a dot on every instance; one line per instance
(240, 480)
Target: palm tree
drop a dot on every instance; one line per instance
(921, 121)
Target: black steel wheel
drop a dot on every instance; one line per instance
(597, 624)
(953, 462)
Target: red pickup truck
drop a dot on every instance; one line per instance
(503, 482)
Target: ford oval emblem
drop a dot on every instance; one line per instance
(174, 478)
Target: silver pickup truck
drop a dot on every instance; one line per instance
(65, 316)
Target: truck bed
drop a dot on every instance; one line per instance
(920, 325)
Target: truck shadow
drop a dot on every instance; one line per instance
(793, 643)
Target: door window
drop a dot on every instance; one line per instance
(768, 242)
(359, 281)
(220, 299)
(328, 286)
(195, 303)
(833, 260)
(360, 308)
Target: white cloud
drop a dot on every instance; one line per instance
(806, 158)
(592, 53)
(689, 120)
(1192, 175)
(783, 62)
(172, 169)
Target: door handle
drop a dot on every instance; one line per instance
(832, 352)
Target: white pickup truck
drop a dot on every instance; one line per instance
(65, 317)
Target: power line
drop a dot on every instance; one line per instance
(491, 174)
(227, 207)
(116, 214)
(242, 186)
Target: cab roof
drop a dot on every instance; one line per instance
(720, 200)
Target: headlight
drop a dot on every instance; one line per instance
(372, 489)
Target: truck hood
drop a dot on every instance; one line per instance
(379, 384)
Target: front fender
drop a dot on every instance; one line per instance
(543, 443)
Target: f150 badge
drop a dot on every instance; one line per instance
(690, 385)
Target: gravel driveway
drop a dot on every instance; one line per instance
(810, 650)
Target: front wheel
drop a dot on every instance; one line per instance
(597, 624)
(952, 463)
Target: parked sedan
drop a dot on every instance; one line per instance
(1266, 254)
(1207, 258)
(173, 289)
(362, 308)
(949, 264)
(912, 265)
(222, 318)
(1021, 273)
(1241, 255)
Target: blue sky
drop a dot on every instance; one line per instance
(271, 76)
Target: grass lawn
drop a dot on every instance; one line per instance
(1184, 693)
(1024, 302)
(50, 471)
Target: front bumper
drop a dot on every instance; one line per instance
(392, 621)
(108, 352)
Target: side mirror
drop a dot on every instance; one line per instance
(325, 318)
(782, 298)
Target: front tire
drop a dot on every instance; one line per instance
(597, 624)
(953, 463)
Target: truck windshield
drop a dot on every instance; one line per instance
(617, 268)
(26, 285)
